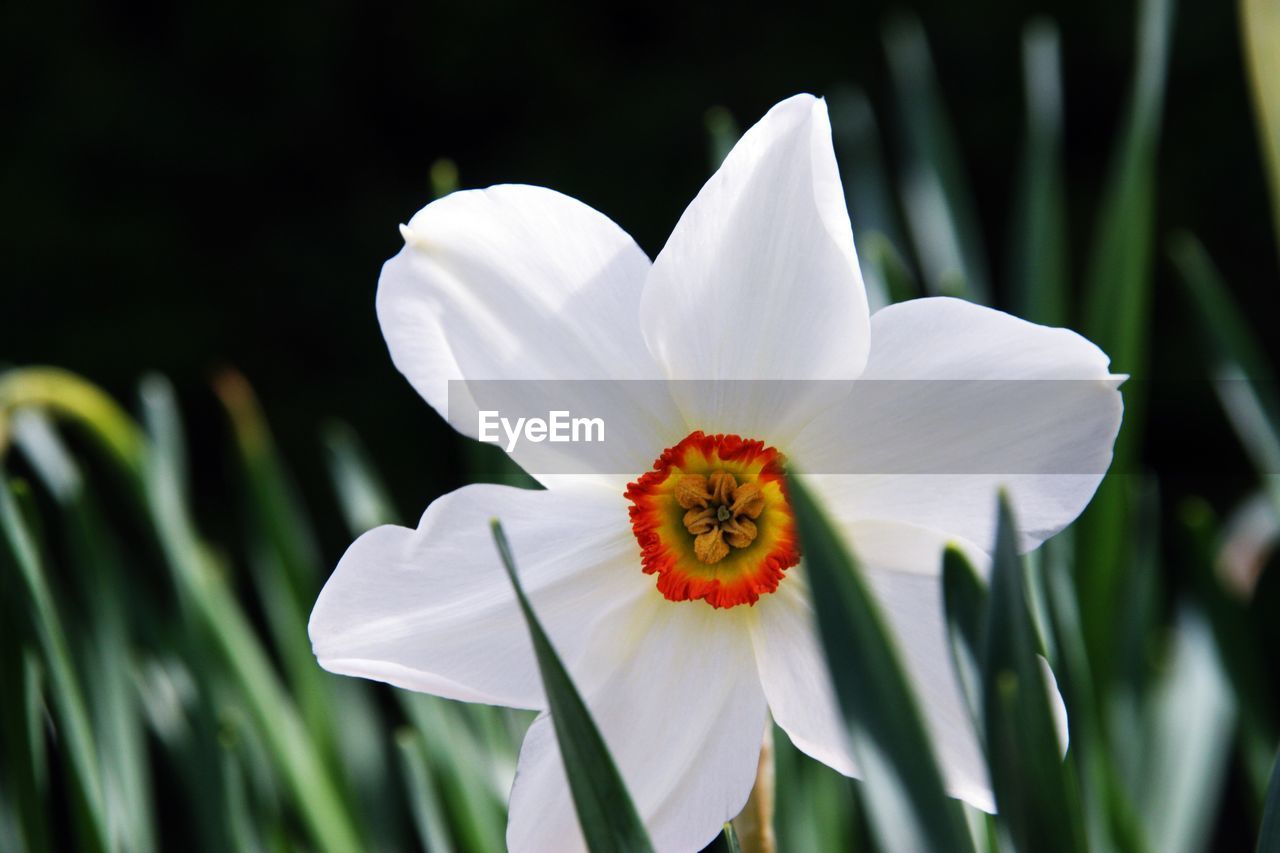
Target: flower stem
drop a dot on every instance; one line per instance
(754, 824)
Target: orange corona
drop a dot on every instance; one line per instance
(714, 521)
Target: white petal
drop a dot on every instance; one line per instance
(523, 283)
(794, 673)
(432, 609)
(759, 280)
(935, 452)
(902, 564)
(683, 716)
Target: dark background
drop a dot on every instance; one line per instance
(193, 186)
(188, 187)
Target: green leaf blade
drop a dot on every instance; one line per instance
(1269, 832)
(1244, 380)
(104, 646)
(1260, 32)
(909, 807)
(1118, 299)
(605, 810)
(1039, 249)
(939, 206)
(65, 690)
(204, 592)
(1034, 791)
(965, 599)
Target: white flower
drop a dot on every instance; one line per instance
(758, 281)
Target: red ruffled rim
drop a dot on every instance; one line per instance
(666, 547)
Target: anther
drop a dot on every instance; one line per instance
(720, 513)
(691, 491)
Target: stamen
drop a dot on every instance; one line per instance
(699, 521)
(720, 513)
(740, 532)
(710, 547)
(748, 501)
(722, 486)
(691, 491)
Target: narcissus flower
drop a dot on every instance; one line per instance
(676, 593)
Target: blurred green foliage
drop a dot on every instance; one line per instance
(159, 686)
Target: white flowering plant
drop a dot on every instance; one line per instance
(799, 542)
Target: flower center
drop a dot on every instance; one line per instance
(713, 520)
(720, 513)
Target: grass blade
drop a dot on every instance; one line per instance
(869, 198)
(70, 710)
(1243, 378)
(185, 716)
(940, 210)
(1238, 650)
(443, 177)
(361, 496)
(1119, 274)
(105, 646)
(1269, 832)
(464, 765)
(1231, 337)
(605, 811)
(286, 563)
(65, 395)
(1107, 815)
(1189, 722)
(203, 592)
(818, 809)
(1034, 794)
(242, 827)
(1260, 32)
(730, 836)
(271, 495)
(722, 135)
(468, 779)
(1118, 284)
(908, 805)
(428, 811)
(1039, 248)
(965, 598)
(24, 785)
